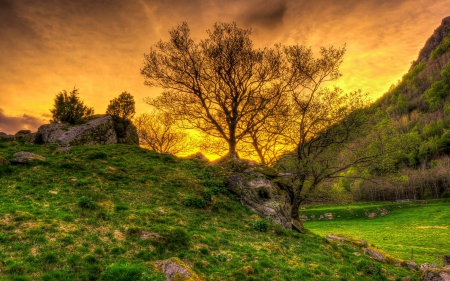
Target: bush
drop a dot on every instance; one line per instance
(86, 202)
(438, 91)
(123, 106)
(193, 201)
(69, 108)
(177, 238)
(260, 226)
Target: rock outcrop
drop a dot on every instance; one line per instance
(6, 136)
(435, 40)
(25, 157)
(24, 135)
(175, 269)
(436, 275)
(98, 130)
(256, 187)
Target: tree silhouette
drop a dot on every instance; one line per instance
(69, 108)
(122, 106)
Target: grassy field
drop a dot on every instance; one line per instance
(103, 212)
(421, 226)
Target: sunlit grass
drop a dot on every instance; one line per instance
(98, 210)
(421, 226)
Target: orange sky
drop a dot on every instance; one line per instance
(97, 46)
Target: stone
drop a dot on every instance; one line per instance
(436, 275)
(99, 130)
(258, 191)
(198, 156)
(328, 216)
(372, 215)
(374, 254)
(313, 216)
(62, 150)
(303, 218)
(334, 238)
(383, 212)
(148, 235)
(23, 135)
(446, 260)
(321, 217)
(6, 136)
(11, 143)
(426, 266)
(3, 162)
(175, 269)
(410, 264)
(25, 157)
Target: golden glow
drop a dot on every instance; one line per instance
(48, 46)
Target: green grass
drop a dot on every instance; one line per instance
(105, 211)
(422, 227)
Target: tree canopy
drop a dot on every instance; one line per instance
(68, 108)
(122, 106)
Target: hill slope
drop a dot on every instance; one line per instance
(101, 213)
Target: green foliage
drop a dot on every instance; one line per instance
(68, 108)
(177, 238)
(442, 48)
(260, 225)
(86, 202)
(436, 94)
(122, 106)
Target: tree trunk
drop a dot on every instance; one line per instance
(297, 223)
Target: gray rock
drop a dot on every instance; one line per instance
(25, 157)
(99, 130)
(23, 135)
(426, 266)
(6, 136)
(303, 218)
(175, 269)
(435, 275)
(374, 254)
(257, 191)
(410, 264)
(372, 215)
(328, 216)
(62, 150)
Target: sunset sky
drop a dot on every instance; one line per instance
(97, 46)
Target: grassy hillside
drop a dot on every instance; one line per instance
(101, 213)
(423, 227)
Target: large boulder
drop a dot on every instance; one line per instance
(98, 130)
(6, 136)
(256, 188)
(436, 275)
(24, 135)
(25, 157)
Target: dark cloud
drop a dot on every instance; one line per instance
(11, 124)
(264, 14)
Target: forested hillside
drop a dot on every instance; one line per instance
(412, 120)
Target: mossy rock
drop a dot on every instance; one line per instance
(4, 162)
(175, 269)
(11, 143)
(268, 171)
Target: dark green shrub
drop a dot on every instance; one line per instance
(438, 91)
(193, 201)
(97, 155)
(50, 258)
(86, 202)
(68, 108)
(177, 238)
(260, 226)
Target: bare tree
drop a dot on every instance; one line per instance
(159, 132)
(222, 86)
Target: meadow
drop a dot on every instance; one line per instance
(107, 212)
(423, 226)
